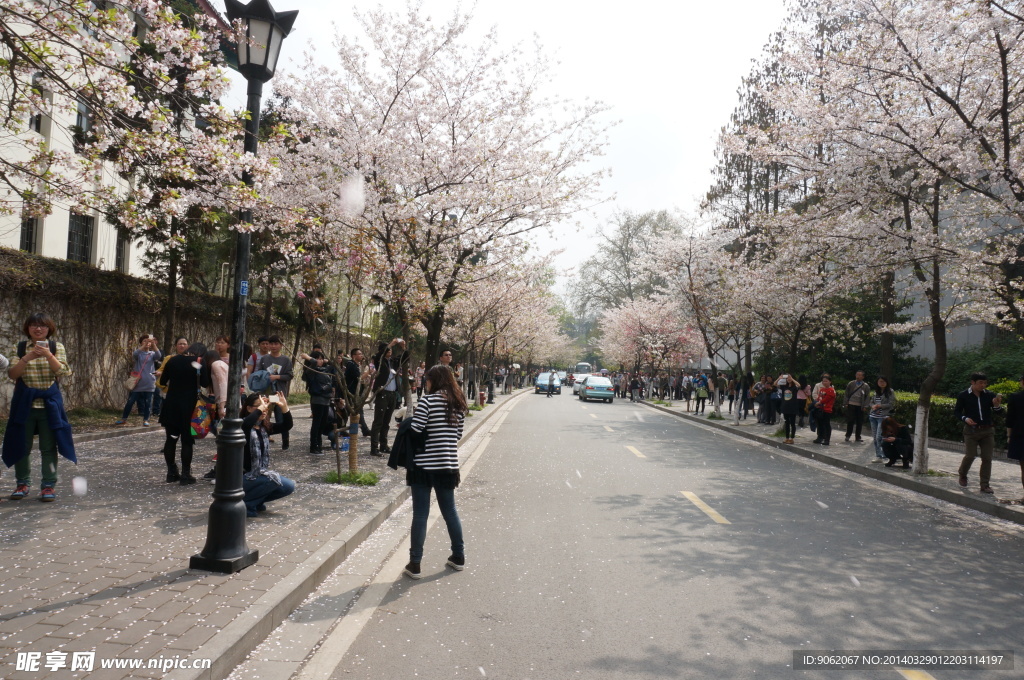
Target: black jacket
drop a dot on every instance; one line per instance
(407, 444)
(978, 408)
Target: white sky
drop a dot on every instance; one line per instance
(669, 71)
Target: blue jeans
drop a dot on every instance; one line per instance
(143, 399)
(158, 401)
(876, 435)
(420, 511)
(263, 490)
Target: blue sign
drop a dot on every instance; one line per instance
(243, 288)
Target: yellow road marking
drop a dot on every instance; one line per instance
(608, 428)
(637, 453)
(914, 674)
(692, 497)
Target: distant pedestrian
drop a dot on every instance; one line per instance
(421, 370)
(974, 407)
(261, 484)
(551, 383)
(789, 405)
(319, 377)
(1015, 429)
(184, 377)
(804, 395)
(858, 394)
(883, 401)
(825, 404)
(37, 407)
(439, 416)
(385, 388)
(180, 345)
(280, 369)
(143, 373)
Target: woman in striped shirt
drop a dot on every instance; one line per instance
(439, 415)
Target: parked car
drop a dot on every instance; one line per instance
(579, 379)
(597, 387)
(541, 384)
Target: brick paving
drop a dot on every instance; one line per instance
(107, 571)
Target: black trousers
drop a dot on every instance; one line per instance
(789, 424)
(320, 412)
(383, 408)
(174, 434)
(854, 420)
(825, 427)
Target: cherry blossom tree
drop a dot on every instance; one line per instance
(459, 151)
(142, 85)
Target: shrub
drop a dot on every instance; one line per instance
(942, 424)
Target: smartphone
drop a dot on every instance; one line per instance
(274, 399)
(42, 343)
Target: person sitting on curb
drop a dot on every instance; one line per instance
(897, 442)
(975, 406)
(261, 484)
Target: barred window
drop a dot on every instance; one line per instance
(80, 231)
(29, 233)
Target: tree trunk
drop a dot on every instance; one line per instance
(924, 400)
(353, 443)
(268, 304)
(886, 360)
(172, 292)
(434, 325)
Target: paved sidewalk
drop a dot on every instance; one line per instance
(107, 572)
(941, 483)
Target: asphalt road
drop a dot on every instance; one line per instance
(612, 541)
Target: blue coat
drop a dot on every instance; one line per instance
(14, 448)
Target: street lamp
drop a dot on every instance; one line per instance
(225, 550)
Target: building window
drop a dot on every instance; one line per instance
(121, 255)
(35, 121)
(80, 230)
(83, 123)
(29, 234)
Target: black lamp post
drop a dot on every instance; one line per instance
(225, 550)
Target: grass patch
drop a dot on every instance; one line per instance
(355, 478)
(715, 416)
(85, 419)
(297, 398)
(476, 407)
(936, 473)
(781, 432)
(660, 402)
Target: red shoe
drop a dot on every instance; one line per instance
(19, 492)
(47, 495)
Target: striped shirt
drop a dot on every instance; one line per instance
(38, 374)
(441, 451)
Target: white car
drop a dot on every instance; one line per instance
(579, 379)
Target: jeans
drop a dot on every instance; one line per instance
(876, 435)
(38, 423)
(262, 490)
(420, 512)
(143, 399)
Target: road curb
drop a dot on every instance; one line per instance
(989, 507)
(238, 639)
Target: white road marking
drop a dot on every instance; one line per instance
(635, 452)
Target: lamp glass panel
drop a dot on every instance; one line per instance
(274, 50)
(259, 33)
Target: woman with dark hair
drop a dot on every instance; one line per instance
(439, 415)
(37, 407)
(180, 345)
(183, 376)
(883, 401)
(260, 483)
(897, 442)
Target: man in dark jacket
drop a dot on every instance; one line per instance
(974, 406)
(352, 373)
(387, 385)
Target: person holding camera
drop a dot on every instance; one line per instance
(858, 393)
(789, 404)
(386, 385)
(261, 484)
(144, 363)
(37, 407)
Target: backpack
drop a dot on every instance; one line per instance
(23, 348)
(259, 381)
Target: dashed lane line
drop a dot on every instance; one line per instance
(608, 428)
(635, 452)
(593, 415)
(915, 674)
(708, 510)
